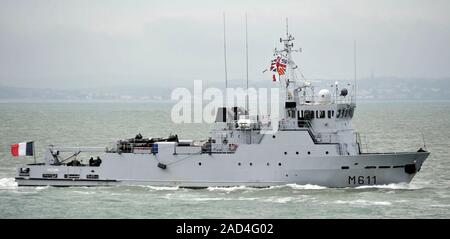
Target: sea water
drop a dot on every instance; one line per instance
(385, 127)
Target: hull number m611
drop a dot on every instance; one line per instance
(361, 180)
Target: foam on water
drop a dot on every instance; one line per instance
(364, 202)
(160, 188)
(208, 199)
(41, 188)
(8, 183)
(84, 192)
(403, 186)
(229, 189)
(279, 199)
(298, 187)
(305, 187)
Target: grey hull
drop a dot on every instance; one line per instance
(202, 171)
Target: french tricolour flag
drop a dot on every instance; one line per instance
(22, 149)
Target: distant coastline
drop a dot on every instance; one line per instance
(368, 89)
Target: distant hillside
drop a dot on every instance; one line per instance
(370, 89)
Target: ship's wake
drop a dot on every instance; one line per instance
(395, 186)
(8, 183)
(11, 184)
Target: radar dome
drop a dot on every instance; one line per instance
(324, 96)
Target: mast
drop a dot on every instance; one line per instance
(286, 53)
(225, 52)
(287, 28)
(354, 61)
(246, 61)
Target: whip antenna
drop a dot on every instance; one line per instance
(246, 60)
(225, 52)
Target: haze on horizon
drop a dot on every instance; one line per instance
(82, 44)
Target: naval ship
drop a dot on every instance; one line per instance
(314, 143)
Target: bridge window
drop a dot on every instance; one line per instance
(322, 114)
(329, 114)
(291, 113)
(317, 114)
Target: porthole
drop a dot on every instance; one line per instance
(285, 153)
(326, 152)
(287, 175)
(199, 164)
(273, 136)
(296, 152)
(309, 152)
(239, 164)
(279, 164)
(251, 164)
(268, 164)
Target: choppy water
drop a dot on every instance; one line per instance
(388, 127)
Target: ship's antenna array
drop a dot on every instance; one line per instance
(246, 61)
(354, 61)
(287, 28)
(225, 52)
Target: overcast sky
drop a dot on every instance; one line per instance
(145, 43)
